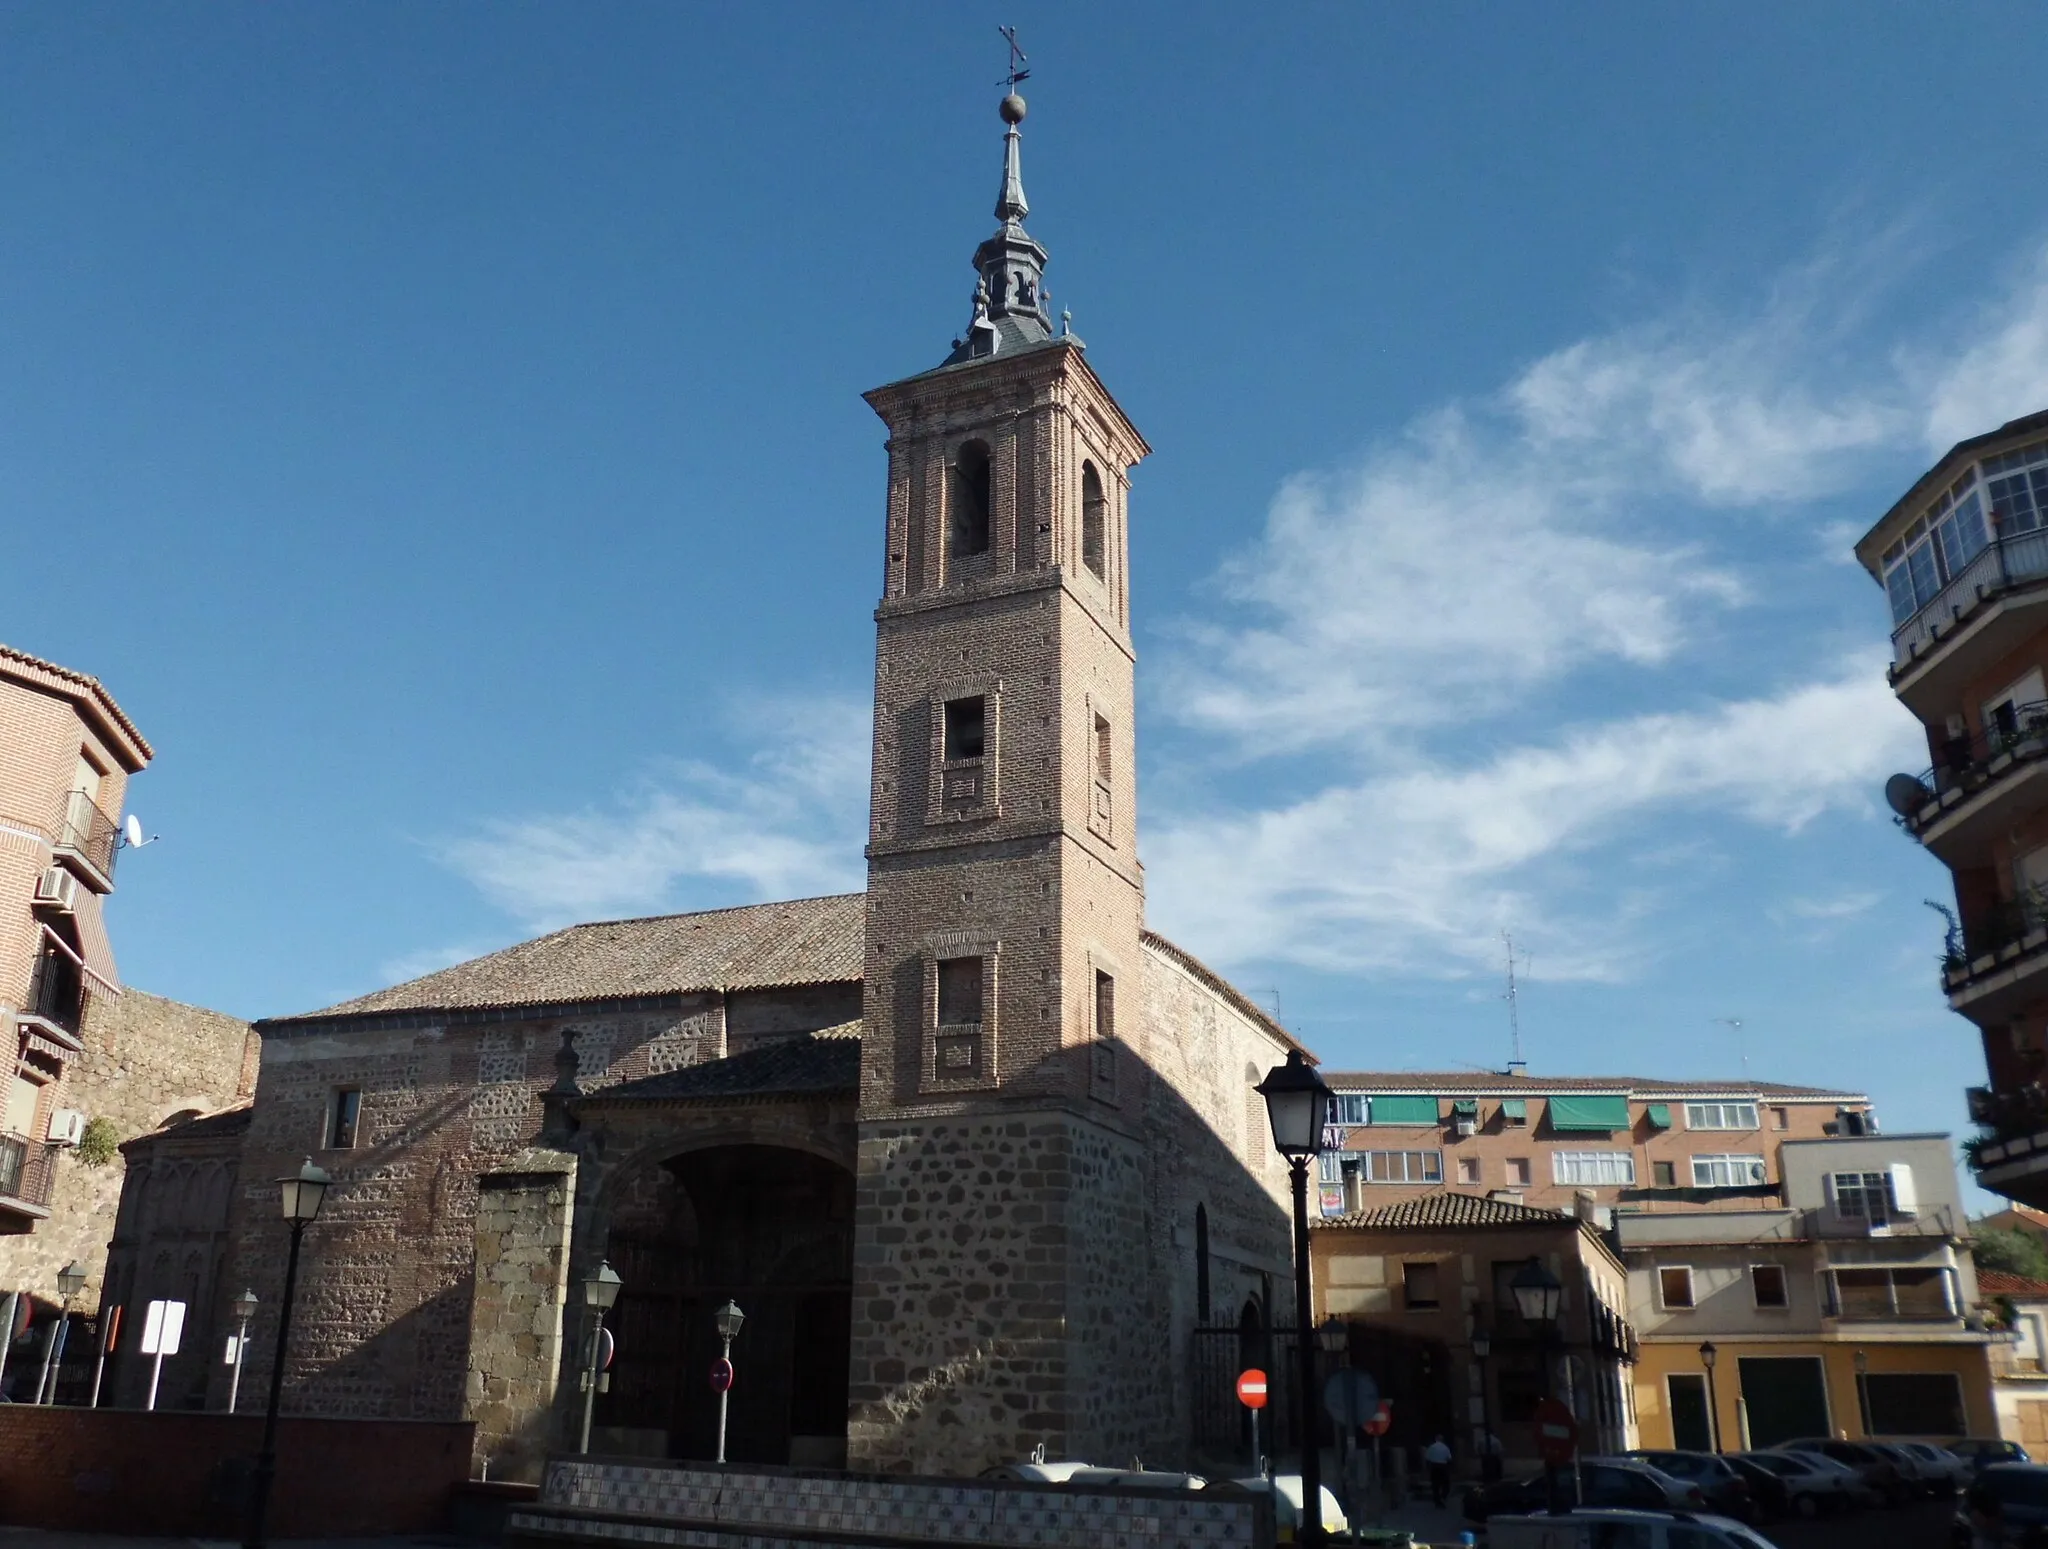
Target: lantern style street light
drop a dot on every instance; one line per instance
(303, 1194)
(1539, 1298)
(1862, 1359)
(70, 1281)
(600, 1292)
(1298, 1106)
(1708, 1356)
(245, 1309)
(729, 1321)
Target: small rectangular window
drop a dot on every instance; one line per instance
(965, 723)
(1406, 1166)
(1102, 751)
(1780, 1118)
(1726, 1172)
(1105, 1005)
(1593, 1167)
(1349, 1108)
(1664, 1174)
(1721, 1116)
(1674, 1286)
(1518, 1171)
(1418, 1286)
(959, 991)
(1768, 1282)
(1468, 1169)
(344, 1116)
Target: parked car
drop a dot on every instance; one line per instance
(1816, 1486)
(1937, 1473)
(1727, 1491)
(1982, 1451)
(1878, 1471)
(2017, 1493)
(1606, 1529)
(1286, 1492)
(1609, 1482)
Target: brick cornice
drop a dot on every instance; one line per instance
(91, 698)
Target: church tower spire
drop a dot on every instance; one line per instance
(1010, 309)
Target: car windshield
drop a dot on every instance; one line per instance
(2018, 1484)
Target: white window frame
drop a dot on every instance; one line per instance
(1727, 1170)
(1692, 1290)
(1868, 1186)
(1717, 1115)
(1348, 1108)
(1510, 1166)
(1329, 1167)
(1594, 1169)
(1416, 1166)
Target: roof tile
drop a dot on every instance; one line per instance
(1448, 1209)
(1447, 1083)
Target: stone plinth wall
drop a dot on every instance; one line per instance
(524, 1215)
(123, 1471)
(614, 1501)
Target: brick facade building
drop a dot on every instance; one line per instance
(974, 1150)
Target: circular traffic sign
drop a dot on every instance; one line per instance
(1557, 1433)
(1251, 1388)
(1382, 1419)
(607, 1347)
(721, 1375)
(1350, 1395)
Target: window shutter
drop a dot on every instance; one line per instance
(1904, 1199)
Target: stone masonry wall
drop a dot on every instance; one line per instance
(146, 1059)
(525, 1215)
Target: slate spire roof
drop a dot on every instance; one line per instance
(1010, 311)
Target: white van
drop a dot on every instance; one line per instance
(1597, 1529)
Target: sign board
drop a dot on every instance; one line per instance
(1251, 1388)
(1351, 1396)
(1330, 1198)
(721, 1375)
(234, 1349)
(1557, 1433)
(607, 1347)
(162, 1327)
(1382, 1419)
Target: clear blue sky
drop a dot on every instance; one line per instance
(440, 426)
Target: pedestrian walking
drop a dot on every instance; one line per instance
(1438, 1456)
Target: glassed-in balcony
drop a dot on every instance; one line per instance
(90, 837)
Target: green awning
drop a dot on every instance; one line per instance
(1589, 1115)
(1515, 1108)
(1404, 1110)
(1465, 1108)
(1660, 1115)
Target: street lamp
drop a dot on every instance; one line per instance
(729, 1320)
(1298, 1106)
(1482, 1347)
(70, 1281)
(1539, 1298)
(1708, 1356)
(1863, 1389)
(303, 1193)
(245, 1309)
(600, 1291)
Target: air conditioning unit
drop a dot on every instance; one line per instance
(67, 1127)
(58, 887)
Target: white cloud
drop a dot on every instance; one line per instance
(788, 825)
(1417, 871)
(1845, 906)
(2002, 373)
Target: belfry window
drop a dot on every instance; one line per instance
(969, 533)
(959, 991)
(966, 728)
(344, 1117)
(1094, 521)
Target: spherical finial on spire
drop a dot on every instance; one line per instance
(1012, 109)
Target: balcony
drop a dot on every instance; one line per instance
(2011, 1156)
(1981, 784)
(1985, 610)
(88, 837)
(56, 996)
(26, 1174)
(1995, 968)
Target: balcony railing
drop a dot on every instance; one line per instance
(88, 833)
(1970, 763)
(56, 991)
(25, 1171)
(2004, 562)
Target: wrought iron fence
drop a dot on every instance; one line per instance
(89, 832)
(25, 1170)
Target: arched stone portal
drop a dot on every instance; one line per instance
(771, 1228)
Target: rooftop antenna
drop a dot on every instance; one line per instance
(1517, 1065)
(1274, 991)
(1741, 1048)
(1017, 57)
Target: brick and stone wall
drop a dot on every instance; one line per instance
(524, 1219)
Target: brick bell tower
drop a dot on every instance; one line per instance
(999, 1259)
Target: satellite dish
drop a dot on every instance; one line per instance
(1906, 794)
(133, 830)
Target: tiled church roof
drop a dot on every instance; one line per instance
(1448, 1209)
(758, 946)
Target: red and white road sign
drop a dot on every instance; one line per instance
(721, 1375)
(1251, 1388)
(1382, 1419)
(1557, 1433)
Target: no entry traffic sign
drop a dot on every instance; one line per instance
(1557, 1433)
(1251, 1388)
(721, 1375)
(1382, 1419)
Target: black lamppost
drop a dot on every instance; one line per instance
(1482, 1347)
(600, 1291)
(303, 1191)
(70, 1281)
(1709, 1355)
(729, 1320)
(1297, 1106)
(1539, 1298)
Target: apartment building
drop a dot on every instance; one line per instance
(1850, 1307)
(2016, 1308)
(84, 1047)
(1556, 1141)
(1963, 559)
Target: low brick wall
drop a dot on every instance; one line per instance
(186, 1475)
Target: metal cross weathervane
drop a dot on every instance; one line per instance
(1017, 57)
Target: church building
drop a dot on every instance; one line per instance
(975, 1151)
